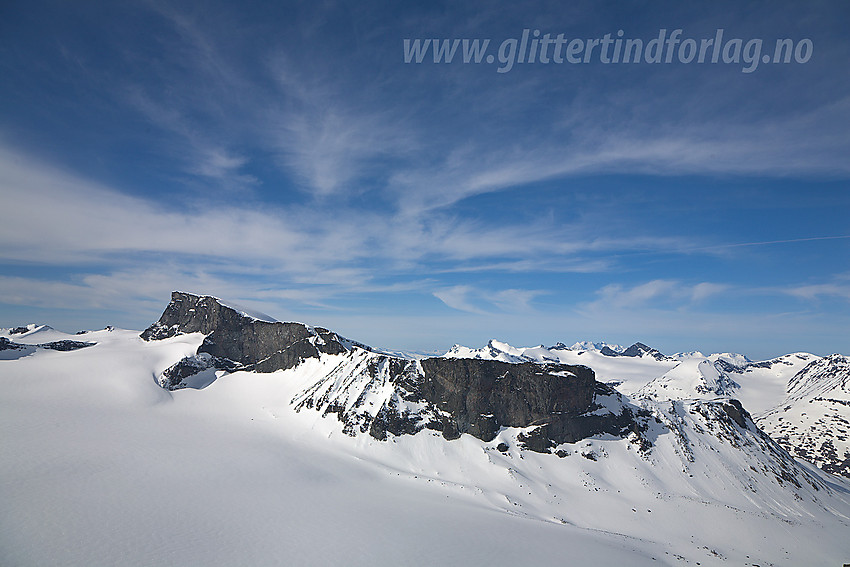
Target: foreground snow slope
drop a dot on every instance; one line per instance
(99, 466)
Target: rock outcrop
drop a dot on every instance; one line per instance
(640, 349)
(6, 344)
(64, 345)
(246, 341)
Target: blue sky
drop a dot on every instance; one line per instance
(286, 157)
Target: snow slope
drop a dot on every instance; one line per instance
(693, 378)
(101, 466)
(764, 384)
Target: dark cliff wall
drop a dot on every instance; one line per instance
(187, 313)
(253, 344)
(483, 395)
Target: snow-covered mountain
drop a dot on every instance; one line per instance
(18, 342)
(219, 438)
(813, 421)
(691, 378)
(592, 345)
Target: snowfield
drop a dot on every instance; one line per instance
(99, 465)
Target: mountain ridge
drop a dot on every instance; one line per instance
(453, 396)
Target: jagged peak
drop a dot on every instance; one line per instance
(639, 349)
(592, 345)
(192, 312)
(245, 311)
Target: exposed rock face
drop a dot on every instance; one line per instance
(382, 394)
(639, 349)
(608, 351)
(6, 344)
(728, 422)
(636, 350)
(10, 350)
(186, 373)
(250, 343)
(66, 345)
(483, 395)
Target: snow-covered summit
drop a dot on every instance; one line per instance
(33, 334)
(590, 345)
(499, 350)
(493, 350)
(693, 378)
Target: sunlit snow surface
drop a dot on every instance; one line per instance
(100, 466)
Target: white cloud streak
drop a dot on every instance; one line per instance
(479, 301)
(339, 140)
(667, 294)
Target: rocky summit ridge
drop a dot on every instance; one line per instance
(384, 394)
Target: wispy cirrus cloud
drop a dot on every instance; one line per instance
(838, 288)
(339, 137)
(760, 148)
(57, 218)
(660, 293)
(482, 301)
(330, 146)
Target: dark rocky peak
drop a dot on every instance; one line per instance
(10, 350)
(65, 345)
(608, 351)
(241, 340)
(724, 366)
(639, 349)
(190, 313)
(17, 350)
(29, 329)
